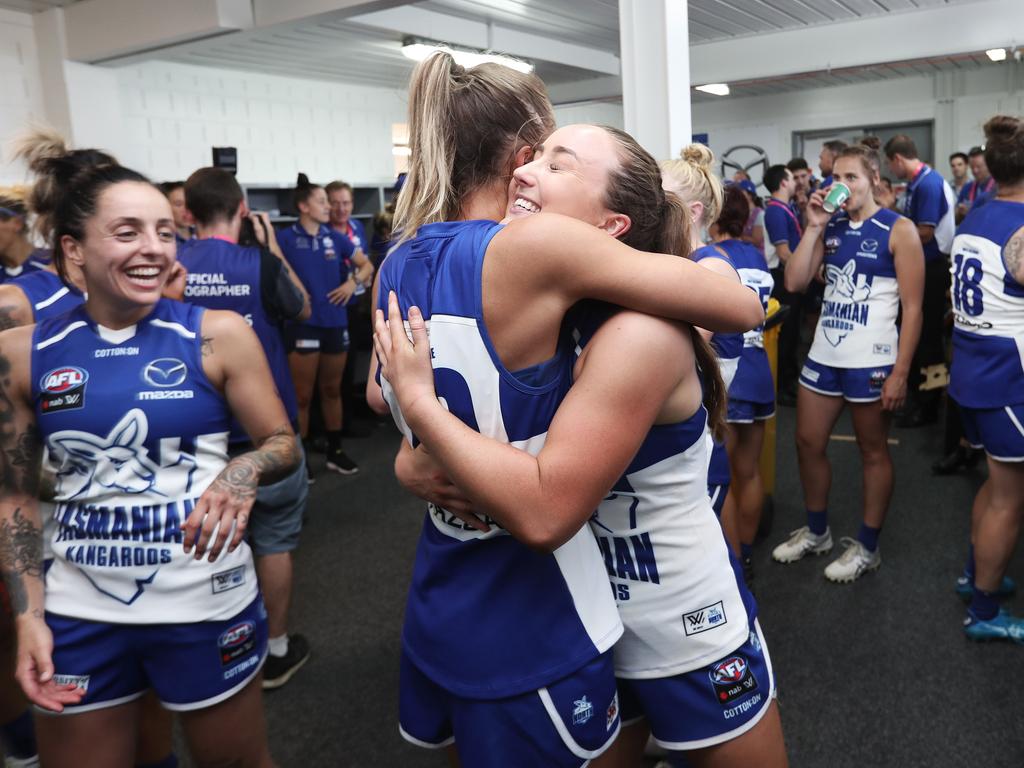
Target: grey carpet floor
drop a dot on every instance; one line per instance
(876, 673)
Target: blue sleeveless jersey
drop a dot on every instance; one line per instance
(37, 260)
(679, 591)
(47, 294)
(753, 381)
(988, 310)
(134, 433)
(487, 617)
(857, 327)
(320, 261)
(223, 275)
(728, 346)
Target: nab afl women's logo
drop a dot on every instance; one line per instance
(62, 389)
(63, 379)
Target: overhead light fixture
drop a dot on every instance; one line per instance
(417, 50)
(996, 54)
(715, 89)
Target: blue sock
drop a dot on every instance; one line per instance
(969, 565)
(171, 761)
(984, 605)
(19, 736)
(817, 521)
(746, 550)
(868, 536)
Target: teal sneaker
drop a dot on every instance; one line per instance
(965, 589)
(1002, 627)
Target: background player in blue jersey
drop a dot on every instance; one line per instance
(534, 270)
(102, 387)
(873, 263)
(37, 295)
(18, 256)
(257, 283)
(987, 376)
(929, 203)
(184, 224)
(752, 391)
(319, 346)
(594, 439)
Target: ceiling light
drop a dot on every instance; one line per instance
(996, 54)
(418, 50)
(716, 89)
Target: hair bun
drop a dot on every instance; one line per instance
(871, 142)
(302, 181)
(40, 147)
(699, 155)
(1003, 128)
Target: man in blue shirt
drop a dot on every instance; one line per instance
(930, 204)
(782, 232)
(827, 157)
(977, 192)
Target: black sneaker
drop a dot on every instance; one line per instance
(338, 461)
(278, 670)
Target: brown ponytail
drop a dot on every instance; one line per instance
(465, 128)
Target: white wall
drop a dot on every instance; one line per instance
(595, 112)
(959, 103)
(174, 113)
(20, 91)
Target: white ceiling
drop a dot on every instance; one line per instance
(331, 47)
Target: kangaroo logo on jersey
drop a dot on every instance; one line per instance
(94, 466)
(165, 372)
(731, 679)
(62, 389)
(845, 304)
(582, 711)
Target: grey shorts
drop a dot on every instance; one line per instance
(276, 519)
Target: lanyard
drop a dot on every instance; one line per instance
(789, 212)
(986, 189)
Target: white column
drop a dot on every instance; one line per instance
(655, 48)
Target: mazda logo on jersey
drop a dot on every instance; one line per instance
(165, 372)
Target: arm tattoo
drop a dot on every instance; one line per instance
(276, 455)
(207, 346)
(7, 319)
(20, 451)
(21, 555)
(1013, 255)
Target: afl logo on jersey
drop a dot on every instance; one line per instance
(731, 670)
(62, 389)
(236, 642)
(165, 372)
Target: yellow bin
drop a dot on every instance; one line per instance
(772, 326)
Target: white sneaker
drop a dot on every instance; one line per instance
(802, 542)
(853, 562)
(22, 762)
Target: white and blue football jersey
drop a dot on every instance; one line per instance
(857, 327)
(487, 617)
(988, 310)
(37, 260)
(129, 469)
(728, 346)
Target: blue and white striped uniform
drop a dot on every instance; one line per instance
(988, 335)
(533, 618)
(684, 605)
(728, 348)
(47, 294)
(129, 469)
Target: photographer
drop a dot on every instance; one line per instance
(255, 282)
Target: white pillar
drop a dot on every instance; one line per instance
(655, 48)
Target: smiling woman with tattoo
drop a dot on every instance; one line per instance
(152, 585)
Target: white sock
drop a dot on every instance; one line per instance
(278, 645)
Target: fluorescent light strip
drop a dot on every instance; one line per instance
(418, 51)
(716, 89)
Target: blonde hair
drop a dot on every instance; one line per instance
(465, 127)
(695, 176)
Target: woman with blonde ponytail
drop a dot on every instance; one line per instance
(496, 296)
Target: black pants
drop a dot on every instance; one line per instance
(930, 350)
